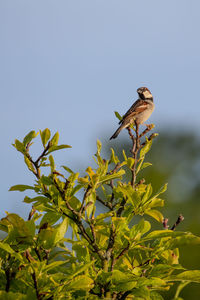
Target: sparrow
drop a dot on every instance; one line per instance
(139, 112)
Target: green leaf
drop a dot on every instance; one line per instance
(6, 247)
(90, 201)
(139, 165)
(130, 162)
(147, 193)
(113, 157)
(146, 148)
(124, 155)
(29, 164)
(156, 296)
(67, 169)
(179, 289)
(45, 136)
(82, 268)
(163, 233)
(28, 138)
(123, 281)
(98, 147)
(50, 218)
(106, 178)
(19, 146)
(53, 265)
(21, 188)
(118, 115)
(54, 140)
(13, 296)
(60, 231)
(46, 180)
(192, 276)
(76, 189)
(81, 282)
(142, 293)
(145, 165)
(163, 270)
(161, 191)
(35, 199)
(139, 229)
(186, 239)
(52, 163)
(156, 202)
(155, 214)
(55, 148)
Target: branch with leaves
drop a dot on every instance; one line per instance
(69, 247)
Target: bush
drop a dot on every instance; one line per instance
(68, 250)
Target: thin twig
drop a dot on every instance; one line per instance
(135, 149)
(149, 128)
(86, 194)
(178, 221)
(35, 285)
(114, 260)
(32, 212)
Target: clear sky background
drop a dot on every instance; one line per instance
(67, 65)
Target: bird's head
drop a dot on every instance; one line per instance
(144, 93)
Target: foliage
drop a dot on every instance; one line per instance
(67, 250)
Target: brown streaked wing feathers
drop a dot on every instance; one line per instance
(137, 107)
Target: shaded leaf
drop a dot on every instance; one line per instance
(157, 215)
(45, 136)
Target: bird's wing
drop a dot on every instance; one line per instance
(137, 107)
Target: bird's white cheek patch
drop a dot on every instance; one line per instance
(147, 94)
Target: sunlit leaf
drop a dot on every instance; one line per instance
(157, 215)
(130, 162)
(146, 148)
(98, 147)
(45, 136)
(54, 140)
(19, 146)
(28, 138)
(67, 169)
(193, 276)
(145, 165)
(81, 282)
(29, 164)
(118, 115)
(113, 157)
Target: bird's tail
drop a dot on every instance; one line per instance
(117, 132)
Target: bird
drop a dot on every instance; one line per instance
(139, 112)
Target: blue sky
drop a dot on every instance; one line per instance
(67, 65)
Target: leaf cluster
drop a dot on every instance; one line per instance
(66, 249)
